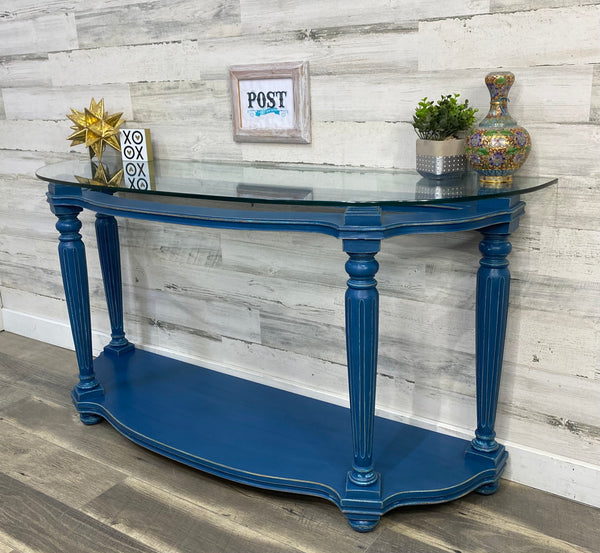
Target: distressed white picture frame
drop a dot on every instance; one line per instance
(263, 91)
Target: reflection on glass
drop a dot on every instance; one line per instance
(107, 171)
(287, 184)
(454, 188)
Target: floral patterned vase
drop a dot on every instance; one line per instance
(498, 146)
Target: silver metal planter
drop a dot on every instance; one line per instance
(441, 159)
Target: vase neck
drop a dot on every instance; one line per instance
(498, 115)
(499, 84)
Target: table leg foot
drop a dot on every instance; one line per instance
(488, 489)
(89, 418)
(363, 523)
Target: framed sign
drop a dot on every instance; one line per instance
(270, 102)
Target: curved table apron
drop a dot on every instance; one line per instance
(267, 437)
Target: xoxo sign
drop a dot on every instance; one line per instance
(136, 151)
(136, 145)
(139, 175)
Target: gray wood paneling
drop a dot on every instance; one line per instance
(350, 52)
(182, 101)
(55, 103)
(393, 96)
(261, 15)
(595, 103)
(47, 33)
(26, 70)
(525, 5)
(144, 22)
(460, 43)
(31, 9)
(18, 166)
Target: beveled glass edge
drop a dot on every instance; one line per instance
(483, 192)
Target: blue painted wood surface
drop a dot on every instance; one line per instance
(493, 286)
(107, 238)
(270, 438)
(362, 328)
(275, 439)
(73, 266)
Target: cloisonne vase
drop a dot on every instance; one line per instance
(498, 146)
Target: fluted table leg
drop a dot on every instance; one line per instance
(71, 251)
(362, 329)
(493, 285)
(107, 237)
(362, 314)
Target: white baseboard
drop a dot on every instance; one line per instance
(545, 471)
(50, 331)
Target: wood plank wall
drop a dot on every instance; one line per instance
(271, 304)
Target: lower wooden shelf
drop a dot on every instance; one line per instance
(267, 437)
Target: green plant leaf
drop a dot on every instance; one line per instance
(444, 119)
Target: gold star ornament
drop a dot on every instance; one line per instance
(95, 128)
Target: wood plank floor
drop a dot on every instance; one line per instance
(69, 488)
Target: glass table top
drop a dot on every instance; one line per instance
(289, 183)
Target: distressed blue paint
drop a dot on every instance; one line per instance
(493, 286)
(362, 326)
(107, 237)
(278, 440)
(71, 252)
(390, 221)
(270, 438)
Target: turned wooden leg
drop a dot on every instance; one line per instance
(362, 325)
(107, 236)
(71, 251)
(493, 284)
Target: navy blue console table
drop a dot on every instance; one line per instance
(264, 436)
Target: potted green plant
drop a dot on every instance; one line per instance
(442, 128)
